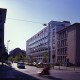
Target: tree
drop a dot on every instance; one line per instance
(20, 57)
(18, 54)
(11, 58)
(30, 58)
(45, 57)
(17, 58)
(4, 55)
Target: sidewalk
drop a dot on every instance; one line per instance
(66, 68)
(6, 72)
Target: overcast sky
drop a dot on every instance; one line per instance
(41, 11)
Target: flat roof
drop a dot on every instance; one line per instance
(73, 25)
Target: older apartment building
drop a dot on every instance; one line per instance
(2, 21)
(44, 42)
(68, 45)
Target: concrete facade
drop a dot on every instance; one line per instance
(44, 42)
(54, 27)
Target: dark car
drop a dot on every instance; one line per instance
(21, 65)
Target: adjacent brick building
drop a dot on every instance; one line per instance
(68, 45)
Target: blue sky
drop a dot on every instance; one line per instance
(41, 11)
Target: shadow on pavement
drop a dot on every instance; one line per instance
(22, 76)
(8, 73)
(52, 78)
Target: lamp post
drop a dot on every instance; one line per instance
(8, 45)
(48, 43)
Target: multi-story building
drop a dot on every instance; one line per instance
(55, 26)
(43, 44)
(2, 21)
(68, 45)
(37, 45)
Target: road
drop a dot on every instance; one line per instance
(30, 73)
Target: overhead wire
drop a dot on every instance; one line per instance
(26, 21)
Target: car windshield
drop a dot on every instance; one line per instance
(20, 63)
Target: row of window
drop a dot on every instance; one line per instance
(39, 59)
(39, 49)
(38, 38)
(62, 51)
(61, 58)
(62, 35)
(62, 43)
(39, 46)
(54, 33)
(39, 43)
(38, 56)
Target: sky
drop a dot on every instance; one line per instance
(38, 12)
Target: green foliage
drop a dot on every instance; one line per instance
(11, 59)
(45, 57)
(30, 59)
(20, 57)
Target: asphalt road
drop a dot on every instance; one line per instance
(30, 73)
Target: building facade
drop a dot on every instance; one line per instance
(2, 21)
(37, 45)
(42, 46)
(68, 45)
(55, 26)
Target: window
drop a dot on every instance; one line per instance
(53, 32)
(65, 50)
(65, 42)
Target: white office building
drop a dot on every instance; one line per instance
(43, 44)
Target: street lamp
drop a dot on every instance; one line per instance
(48, 43)
(8, 45)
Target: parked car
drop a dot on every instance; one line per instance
(34, 63)
(40, 64)
(21, 65)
